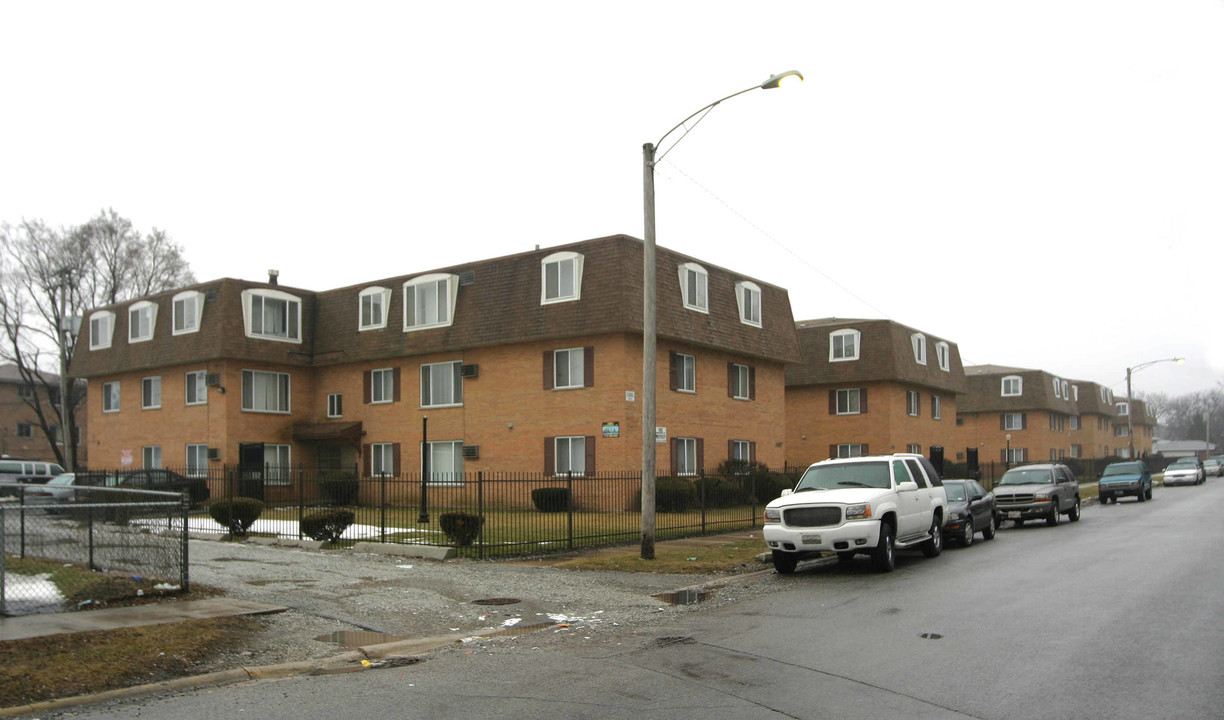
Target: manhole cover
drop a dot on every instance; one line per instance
(496, 601)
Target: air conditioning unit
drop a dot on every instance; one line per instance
(471, 452)
(214, 453)
(212, 379)
(469, 371)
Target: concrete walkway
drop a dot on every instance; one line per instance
(42, 624)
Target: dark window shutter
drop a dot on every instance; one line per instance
(675, 456)
(1002, 421)
(365, 387)
(550, 456)
(588, 366)
(673, 371)
(549, 370)
(395, 381)
(395, 458)
(590, 454)
(1024, 421)
(866, 450)
(365, 453)
(863, 402)
(700, 455)
(832, 450)
(833, 403)
(730, 449)
(751, 383)
(1002, 455)
(752, 451)
(730, 379)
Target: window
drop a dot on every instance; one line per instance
(936, 407)
(561, 278)
(1058, 423)
(1075, 425)
(197, 461)
(1077, 451)
(278, 469)
(1015, 455)
(383, 460)
(25, 430)
(741, 381)
(683, 372)
(441, 384)
(843, 345)
(1013, 385)
(110, 397)
(1123, 409)
(1107, 396)
(748, 296)
(685, 456)
(151, 456)
(150, 393)
(571, 455)
(1057, 388)
(942, 355)
(1066, 391)
(848, 450)
(1013, 421)
(1121, 431)
(272, 315)
(913, 405)
(568, 366)
(445, 462)
(913, 448)
(694, 283)
(197, 387)
(849, 402)
(25, 392)
(382, 385)
(141, 318)
(101, 329)
(265, 391)
(335, 408)
(188, 309)
(372, 306)
(429, 301)
(918, 341)
(743, 450)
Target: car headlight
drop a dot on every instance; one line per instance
(773, 515)
(858, 512)
(1042, 497)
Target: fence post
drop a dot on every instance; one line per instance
(569, 510)
(701, 497)
(184, 579)
(752, 520)
(21, 518)
(480, 552)
(90, 523)
(382, 508)
(301, 482)
(3, 554)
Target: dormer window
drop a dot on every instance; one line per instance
(942, 355)
(1075, 392)
(918, 340)
(748, 295)
(1057, 388)
(101, 329)
(141, 318)
(272, 315)
(1066, 390)
(1123, 409)
(561, 278)
(372, 308)
(429, 301)
(1107, 396)
(1013, 385)
(188, 310)
(843, 345)
(694, 287)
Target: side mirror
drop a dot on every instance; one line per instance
(909, 486)
(786, 492)
(975, 497)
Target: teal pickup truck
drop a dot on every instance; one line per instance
(1125, 478)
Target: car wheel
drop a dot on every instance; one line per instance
(845, 557)
(1074, 515)
(1019, 523)
(1055, 515)
(988, 532)
(784, 562)
(1105, 499)
(934, 546)
(1147, 494)
(1141, 496)
(884, 555)
(966, 538)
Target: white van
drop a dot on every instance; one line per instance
(28, 471)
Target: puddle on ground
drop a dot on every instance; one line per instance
(293, 581)
(358, 638)
(496, 601)
(684, 597)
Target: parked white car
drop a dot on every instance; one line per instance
(873, 505)
(1185, 471)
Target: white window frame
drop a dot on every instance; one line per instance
(292, 318)
(700, 287)
(444, 289)
(192, 304)
(561, 261)
(110, 397)
(456, 388)
(382, 459)
(741, 450)
(144, 311)
(1075, 423)
(278, 470)
(1016, 455)
(839, 354)
(936, 407)
(197, 380)
(918, 342)
(569, 456)
(686, 373)
(335, 405)
(455, 473)
(914, 448)
(378, 299)
(1012, 379)
(943, 355)
(748, 299)
(1057, 388)
(849, 450)
(285, 386)
(1123, 409)
(573, 361)
(851, 408)
(382, 386)
(742, 389)
(101, 329)
(686, 456)
(151, 457)
(1013, 421)
(197, 460)
(1066, 390)
(150, 393)
(912, 403)
(1106, 395)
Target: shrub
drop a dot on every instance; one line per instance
(770, 486)
(673, 494)
(327, 525)
(236, 515)
(341, 489)
(720, 492)
(461, 528)
(552, 499)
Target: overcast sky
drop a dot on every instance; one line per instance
(1040, 182)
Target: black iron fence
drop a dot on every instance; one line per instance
(67, 547)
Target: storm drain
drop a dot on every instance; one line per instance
(496, 601)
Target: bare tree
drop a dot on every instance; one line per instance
(48, 279)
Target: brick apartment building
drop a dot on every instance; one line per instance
(1092, 431)
(1144, 428)
(870, 386)
(21, 436)
(528, 363)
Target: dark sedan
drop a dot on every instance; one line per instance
(971, 509)
(167, 481)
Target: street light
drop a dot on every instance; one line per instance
(1007, 456)
(1130, 400)
(649, 329)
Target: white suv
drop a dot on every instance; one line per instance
(872, 505)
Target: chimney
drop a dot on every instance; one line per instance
(272, 275)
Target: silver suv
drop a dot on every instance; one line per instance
(1045, 491)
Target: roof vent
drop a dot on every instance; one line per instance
(272, 276)
(467, 277)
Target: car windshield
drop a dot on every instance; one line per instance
(837, 476)
(955, 490)
(1128, 469)
(1027, 477)
(1183, 464)
(65, 479)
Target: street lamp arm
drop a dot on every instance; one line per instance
(1140, 366)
